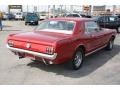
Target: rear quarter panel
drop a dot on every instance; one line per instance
(63, 48)
(67, 47)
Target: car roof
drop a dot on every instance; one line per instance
(72, 19)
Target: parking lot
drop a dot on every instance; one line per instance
(102, 67)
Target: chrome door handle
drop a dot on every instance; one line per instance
(92, 35)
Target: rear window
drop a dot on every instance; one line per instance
(73, 15)
(32, 14)
(56, 26)
(76, 15)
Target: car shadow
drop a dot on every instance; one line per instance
(91, 64)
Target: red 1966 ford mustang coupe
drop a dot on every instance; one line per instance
(59, 40)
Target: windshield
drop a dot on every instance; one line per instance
(31, 15)
(57, 26)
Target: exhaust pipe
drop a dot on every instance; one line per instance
(20, 57)
(44, 61)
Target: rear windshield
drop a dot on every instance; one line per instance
(32, 14)
(56, 26)
(73, 15)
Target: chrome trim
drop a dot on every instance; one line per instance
(51, 57)
(95, 50)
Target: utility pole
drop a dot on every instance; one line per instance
(71, 8)
(48, 11)
(53, 11)
(114, 9)
(61, 9)
(27, 9)
(35, 9)
(65, 10)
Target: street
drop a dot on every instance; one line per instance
(102, 67)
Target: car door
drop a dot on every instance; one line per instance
(93, 35)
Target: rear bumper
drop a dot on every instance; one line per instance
(45, 56)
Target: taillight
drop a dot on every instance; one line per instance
(50, 50)
(10, 43)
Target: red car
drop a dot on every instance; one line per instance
(59, 40)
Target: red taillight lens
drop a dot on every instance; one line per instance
(50, 50)
(10, 43)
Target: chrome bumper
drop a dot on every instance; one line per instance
(45, 56)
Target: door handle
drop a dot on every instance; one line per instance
(92, 35)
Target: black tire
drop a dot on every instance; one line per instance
(118, 30)
(36, 23)
(0, 29)
(25, 23)
(77, 60)
(110, 44)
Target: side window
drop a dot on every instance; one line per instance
(100, 19)
(112, 19)
(117, 19)
(91, 27)
(76, 15)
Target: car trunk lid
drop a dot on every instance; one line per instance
(38, 40)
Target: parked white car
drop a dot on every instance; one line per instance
(42, 17)
(19, 16)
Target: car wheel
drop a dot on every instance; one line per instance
(1, 28)
(118, 30)
(110, 44)
(36, 23)
(25, 23)
(77, 60)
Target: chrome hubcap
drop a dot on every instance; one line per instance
(78, 59)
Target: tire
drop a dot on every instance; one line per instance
(110, 44)
(25, 23)
(0, 29)
(36, 23)
(118, 30)
(77, 60)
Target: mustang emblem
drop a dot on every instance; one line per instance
(28, 45)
